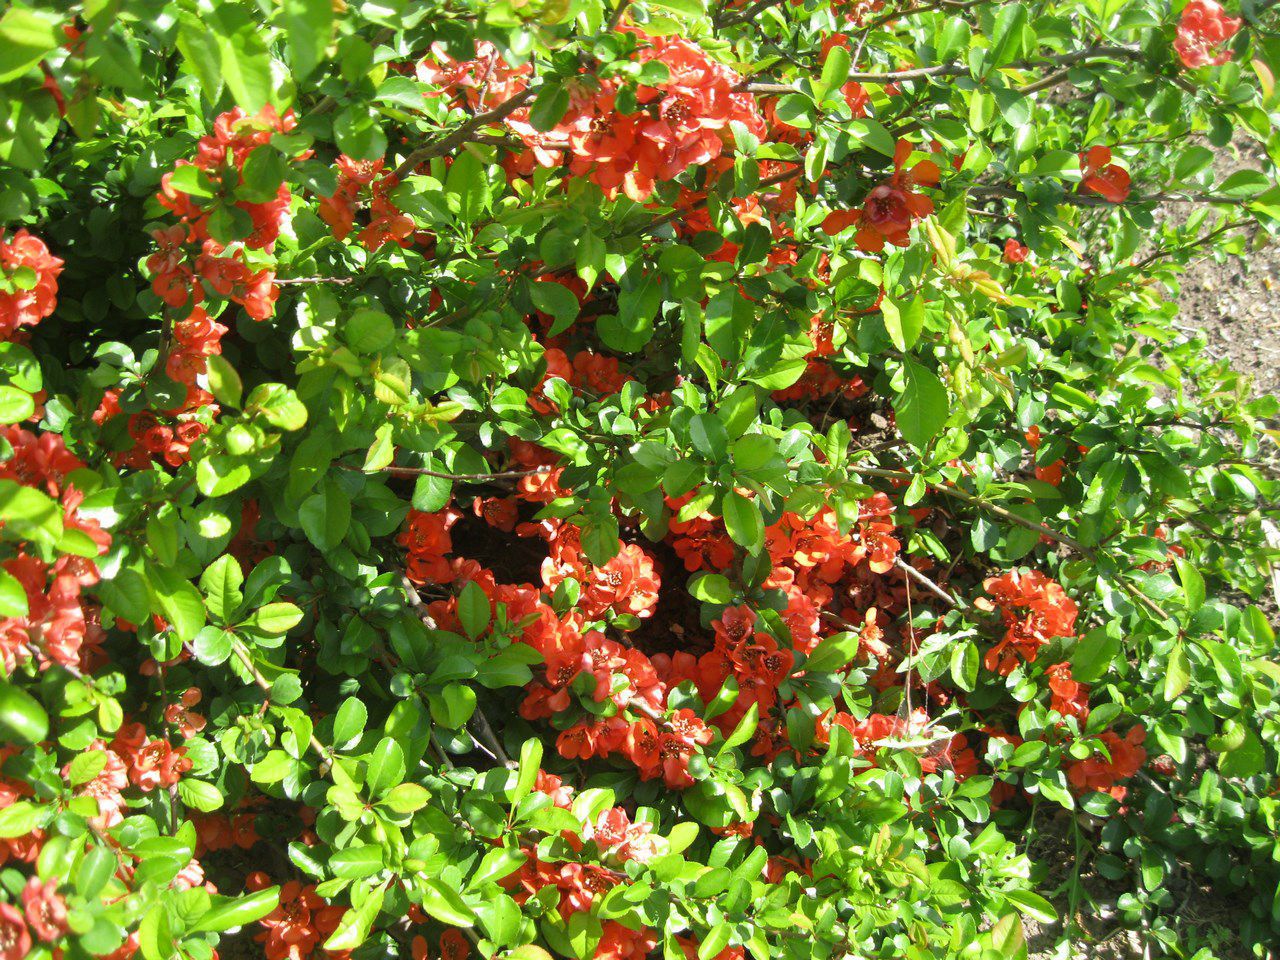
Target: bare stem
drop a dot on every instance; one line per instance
(463, 133)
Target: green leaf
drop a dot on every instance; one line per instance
(445, 904)
(1244, 184)
(246, 67)
(356, 863)
(30, 513)
(95, 871)
(431, 493)
(465, 185)
(709, 436)
(874, 135)
(473, 609)
(26, 37)
(1094, 653)
(834, 73)
(743, 521)
(13, 596)
(326, 516)
(278, 405)
(600, 539)
(632, 327)
(921, 408)
(226, 913)
(308, 30)
(453, 706)
(221, 583)
(904, 323)
(711, 588)
(179, 601)
(369, 331)
(350, 722)
(155, 936)
(199, 795)
(224, 381)
(1177, 672)
(496, 864)
(831, 654)
(1193, 591)
(15, 405)
(358, 131)
(1247, 759)
(213, 646)
(275, 618)
(690, 8)
(385, 767)
(556, 300)
(199, 48)
(549, 108)
(718, 937)
(356, 923)
(530, 763)
(407, 798)
(1032, 905)
(19, 819)
(745, 729)
(964, 665)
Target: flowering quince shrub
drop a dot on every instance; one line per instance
(644, 478)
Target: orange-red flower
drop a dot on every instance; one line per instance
(28, 281)
(1099, 175)
(1204, 25)
(15, 939)
(1104, 775)
(892, 206)
(45, 909)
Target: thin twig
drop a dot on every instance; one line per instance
(928, 584)
(476, 477)
(956, 69)
(750, 12)
(326, 755)
(616, 18)
(293, 281)
(463, 133)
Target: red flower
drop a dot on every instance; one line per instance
(26, 297)
(891, 207)
(1204, 25)
(1069, 698)
(15, 941)
(623, 943)
(1101, 176)
(1103, 775)
(427, 541)
(46, 912)
(1015, 252)
(1035, 610)
(453, 945)
(689, 947)
(500, 513)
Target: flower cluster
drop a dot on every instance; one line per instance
(387, 223)
(1204, 25)
(192, 270)
(151, 762)
(682, 121)
(1125, 757)
(1035, 610)
(28, 282)
(302, 921)
(59, 626)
